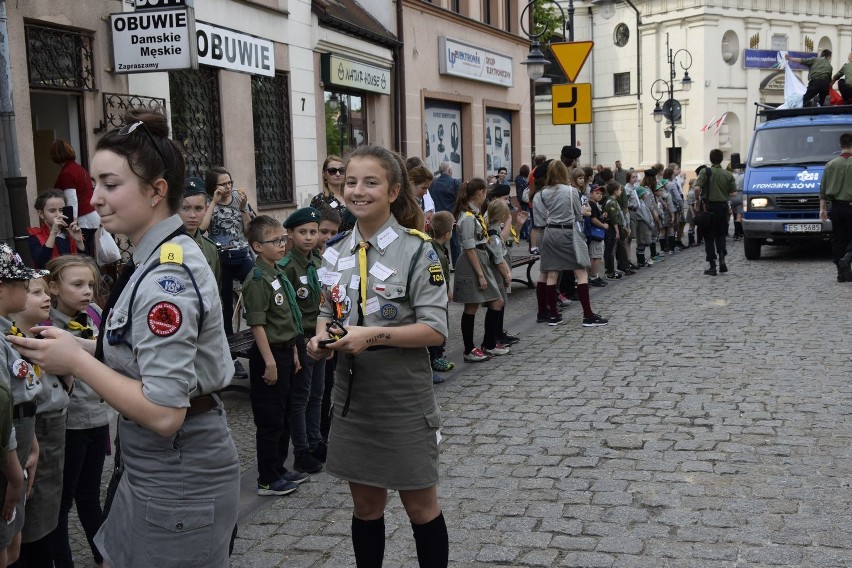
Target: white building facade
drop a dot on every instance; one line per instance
(718, 35)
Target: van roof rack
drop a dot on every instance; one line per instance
(770, 113)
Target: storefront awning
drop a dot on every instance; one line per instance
(348, 16)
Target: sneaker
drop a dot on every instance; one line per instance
(710, 271)
(555, 320)
(442, 365)
(629, 272)
(476, 355)
(296, 477)
(498, 349)
(437, 379)
(508, 338)
(649, 262)
(597, 282)
(319, 452)
(277, 487)
(671, 252)
(563, 301)
(723, 267)
(594, 321)
(633, 266)
(306, 463)
(613, 276)
(659, 258)
(541, 318)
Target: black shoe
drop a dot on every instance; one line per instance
(633, 266)
(594, 321)
(597, 282)
(629, 272)
(541, 318)
(710, 271)
(239, 371)
(723, 267)
(556, 320)
(613, 276)
(306, 463)
(844, 268)
(320, 452)
(508, 338)
(841, 277)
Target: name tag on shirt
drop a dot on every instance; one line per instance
(381, 271)
(304, 279)
(372, 306)
(331, 278)
(330, 255)
(387, 237)
(355, 282)
(346, 262)
(276, 284)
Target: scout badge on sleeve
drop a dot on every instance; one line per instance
(335, 326)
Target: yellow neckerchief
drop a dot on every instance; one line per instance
(74, 325)
(479, 218)
(18, 333)
(362, 271)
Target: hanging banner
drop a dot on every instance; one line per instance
(152, 41)
(227, 49)
(470, 62)
(442, 129)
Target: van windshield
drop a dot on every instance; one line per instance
(797, 145)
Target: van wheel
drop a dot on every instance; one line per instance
(751, 247)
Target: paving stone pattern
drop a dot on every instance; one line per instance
(707, 426)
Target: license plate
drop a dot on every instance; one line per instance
(803, 228)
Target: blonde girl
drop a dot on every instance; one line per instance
(333, 173)
(499, 233)
(73, 283)
(474, 281)
(44, 495)
(384, 428)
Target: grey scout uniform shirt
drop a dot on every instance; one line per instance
(86, 408)
(20, 376)
(393, 298)
(470, 230)
(162, 344)
(556, 205)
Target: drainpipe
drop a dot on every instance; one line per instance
(400, 137)
(15, 184)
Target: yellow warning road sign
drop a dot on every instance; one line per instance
(571, 56)
(572, 104)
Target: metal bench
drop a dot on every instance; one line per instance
(239, 344)
(529, 260)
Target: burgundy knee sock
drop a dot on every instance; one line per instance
(541, 297)
(551, 301)
(583, 294)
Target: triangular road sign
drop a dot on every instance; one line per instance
(571, 56)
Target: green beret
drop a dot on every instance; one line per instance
(302, 216)
(193, 186)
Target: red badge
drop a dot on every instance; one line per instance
(164, 319)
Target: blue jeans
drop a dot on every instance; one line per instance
(307, 403)
(236, 265)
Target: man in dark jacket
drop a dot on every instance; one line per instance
(444, 190)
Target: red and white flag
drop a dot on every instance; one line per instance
(707, 126)
(720, 122)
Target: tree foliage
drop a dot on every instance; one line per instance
(547, 20)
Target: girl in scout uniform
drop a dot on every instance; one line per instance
(474, 281)
(166, 353)
(73, 283)
(42, 505)
(24, 380)
(384, 302)
(499, 227)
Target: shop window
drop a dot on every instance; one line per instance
(621, 84)
(273, 147)
(196, 123)
(345, 122)
(59, 59)
(442, 136)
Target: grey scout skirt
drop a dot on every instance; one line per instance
(466, 284)
(43, 504)
(24, 432)
(563, 249)
(388, 437)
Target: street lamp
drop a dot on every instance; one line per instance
(671, 108)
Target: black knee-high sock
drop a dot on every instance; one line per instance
(433, 546)
(368, 541)
(653, 250)
(489, 339)
(501, 335)
(467, 321)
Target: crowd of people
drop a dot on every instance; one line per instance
(346, 301)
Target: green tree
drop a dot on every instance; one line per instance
(547, 20)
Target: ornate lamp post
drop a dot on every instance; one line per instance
(671, 108)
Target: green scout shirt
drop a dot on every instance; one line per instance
(845, 72)
(613, 211)
(722, 184)
(820, 68)
(308, 291)
(836, 183)
(211, 254)
(443, 258)
(267, 296)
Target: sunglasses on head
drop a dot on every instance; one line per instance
(128, 129)
(335, 171)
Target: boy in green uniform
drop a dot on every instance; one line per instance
(441, 230)
(300, 267)
(819, 76)
(192, 213)
(275, 322)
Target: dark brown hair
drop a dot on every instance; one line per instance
(149, 152)
(211, 178)
(405, 207)
(466, 192)
(42, 198)
(61, 152)
(419, 174)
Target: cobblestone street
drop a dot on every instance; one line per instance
(708, 425)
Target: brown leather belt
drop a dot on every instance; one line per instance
(201, 404)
